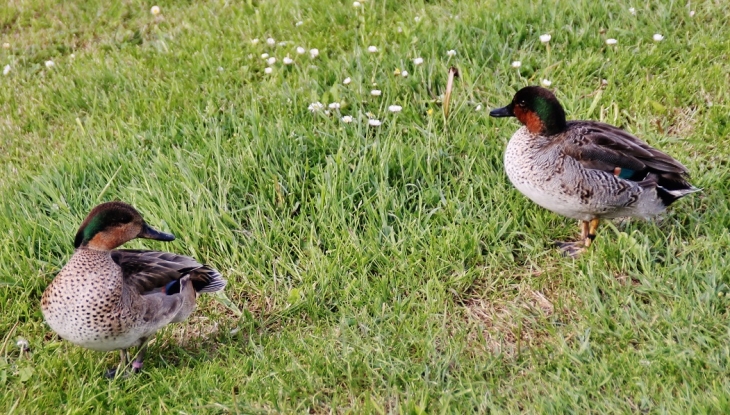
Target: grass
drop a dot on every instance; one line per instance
(380, 270)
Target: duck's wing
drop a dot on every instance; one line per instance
(604, 147)
(154, 271)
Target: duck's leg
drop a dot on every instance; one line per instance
(112, 373)
(137, 363)
(573, 249)
(592, 227)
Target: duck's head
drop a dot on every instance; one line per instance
(537, 109)
(113, 223)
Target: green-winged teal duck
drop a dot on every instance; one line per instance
(113, 299)
(586, 170)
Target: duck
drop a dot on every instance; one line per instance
(108, 299)
(586, 170)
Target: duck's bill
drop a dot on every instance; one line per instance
(502, 112)
(149, 232)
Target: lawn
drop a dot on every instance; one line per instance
(379, 269)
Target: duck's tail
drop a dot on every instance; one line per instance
(669, 187)
(205, 279)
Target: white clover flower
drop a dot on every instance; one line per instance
(50, 64)
(271, 42)
(611, 42)
(417, 19)
(334, 105)
(287, 60)
(417, 61)
(268, 70)
(299, 23)
(657, 37)
(220, 69)
(400, 29)
(255, 41)
(6, 70)
(356, 4)
(23, 344)
(271, 60)
(395, 108)
(347, 119)
(282, 43)
(478, 107)
(374, 123)
(347, 81)
(632, 10)
(546, 82)
(155, 10)
(516, 64)
(264, 56)
(6, 45)
(451, 53)
(604, 82)
(692, 13)
(301, 50)
(313, 53)
(72, 56)
(545, 38)
(315, 106)
(372, 49)
(375, 92)
(404, 74)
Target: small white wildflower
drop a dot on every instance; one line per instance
(546, 82)
(632, 10)
(356, 4)
(22, 344)
(417, 61)
(604, 82)
(282, 43)
(404, 74)
(417, 19)
(264, 56)
(374, 123)
(611, 41)
(347, 119)
(451, 53)
(316, 106)
(271, 60)
(271, 42)
(287, 60)
(395, 108)
(6, 70)
(347, 81)
(334, 105)
(50, 64)
(155, 10)
(478, 107)
(692, 13)
(220, 69)
(372, 49)
(72, 56)
(516, 64)
(299, 23)
(6, 45)
(375, 92)
(313, 53)
(400, 29)
(545, 38)
(657, 37)
(301, 50)
(268, 70)
(255, 41)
